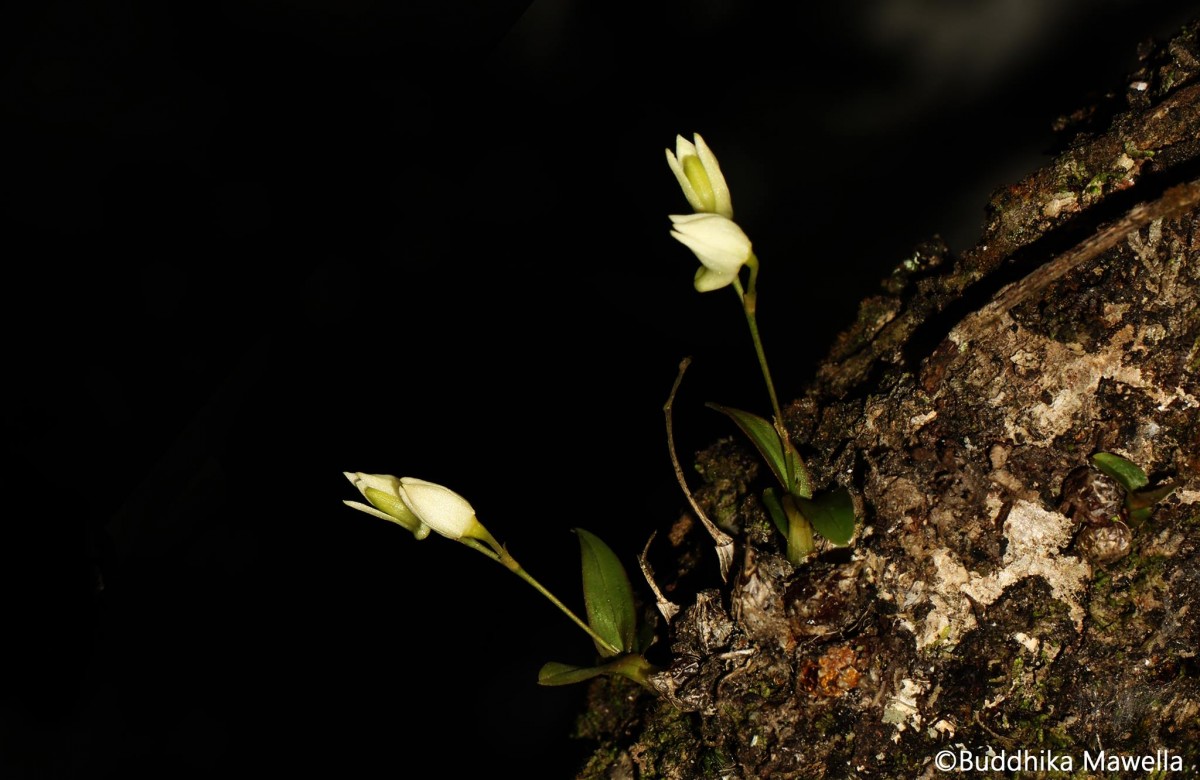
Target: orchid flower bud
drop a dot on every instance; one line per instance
(441, 509)
(416, 505)
(700, 177)
(720, 245)
(383, 493)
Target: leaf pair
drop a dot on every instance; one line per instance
(1138, 498)
(831, 514)
(611, 613)
(763, 435)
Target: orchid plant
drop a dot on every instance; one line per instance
(612, 624)
(420, 507)
(724, 249)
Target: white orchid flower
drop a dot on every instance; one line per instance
(720, 245)
(416, 505)
(700, 177)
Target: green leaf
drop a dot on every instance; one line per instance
(764, 436)
(1144, 499)
(775, 510)
(554, 673)
(1128, 474)
(831, 514)
(607, 594)
(632, 666)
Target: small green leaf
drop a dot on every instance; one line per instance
(607, 594)
(633, 666)
(554, 673)
(1144, 499)
(1128, 474)
(775, 510)
(831, 514)
(764, 436)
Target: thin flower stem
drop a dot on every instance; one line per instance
(499, 554)
(792, 460)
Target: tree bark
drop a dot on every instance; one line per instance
(979, 608)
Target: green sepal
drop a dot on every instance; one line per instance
(1126, 473)
(831, 514)
(395, 509)
(554, 673)
(607, 594)
(775, 510)
(763, 435)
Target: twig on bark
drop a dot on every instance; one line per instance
(1175, 201)
(723, 540)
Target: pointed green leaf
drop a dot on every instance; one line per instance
(607, 594)
(632, 666)
(775, 510)
(764, 436)
(1144, 499)
(554, 673)
(831, 514)
(1128, 474)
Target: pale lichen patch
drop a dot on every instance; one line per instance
(1030, 643)
(1036, 538)
(1113, 313)
(901, 709)
(1061, 202)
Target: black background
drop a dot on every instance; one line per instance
(251, 245)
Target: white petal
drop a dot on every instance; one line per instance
(683, 219)
(689, 191)
(371, 511)
(708, 280)
(421, 531)
(382, 482)
(724, 204)
(717, 241)
(716, 259)
(683, 147)
(438, 507)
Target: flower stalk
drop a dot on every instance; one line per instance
(498, 553)
(421, 506)
(795, 465)
(723, 249)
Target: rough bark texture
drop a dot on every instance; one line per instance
(977, 606)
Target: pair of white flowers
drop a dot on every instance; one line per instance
(720, 245)
(416, 505)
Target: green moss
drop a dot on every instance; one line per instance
(715, 762)
(1193, 363)
(668, 740)
(1136, 153)
(610, 703)
(599, 763)
(824, 723)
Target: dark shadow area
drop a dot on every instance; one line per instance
(249, 246)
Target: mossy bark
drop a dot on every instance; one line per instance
(967, 614)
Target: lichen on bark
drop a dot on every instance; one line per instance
(967, 612)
